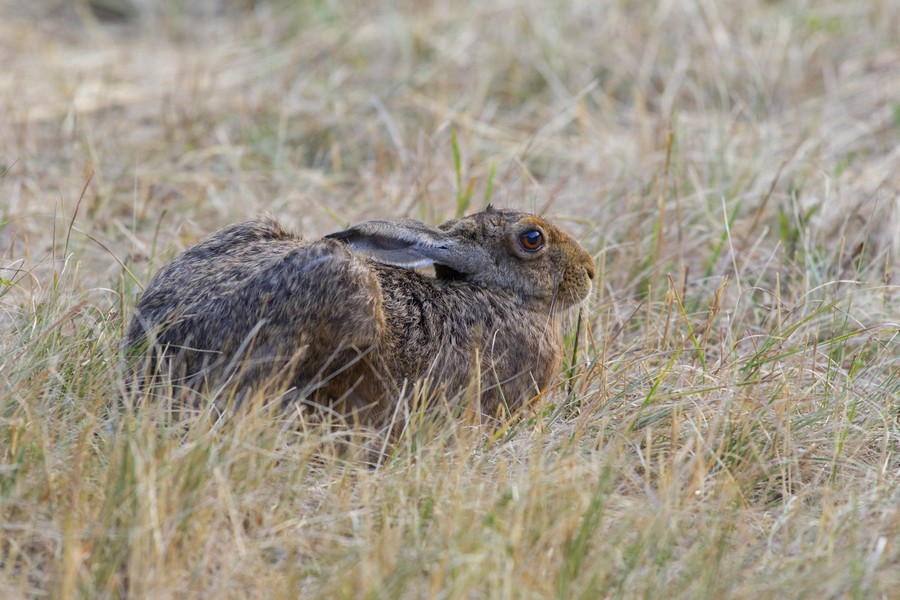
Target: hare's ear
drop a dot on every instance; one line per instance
(409, 244)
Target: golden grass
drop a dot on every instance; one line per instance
(731, 426)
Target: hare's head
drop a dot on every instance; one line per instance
(522, 254)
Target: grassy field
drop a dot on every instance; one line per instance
(730, 427)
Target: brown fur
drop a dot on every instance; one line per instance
(254, 308)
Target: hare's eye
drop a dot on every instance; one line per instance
(532, 240)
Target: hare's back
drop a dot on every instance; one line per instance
(256, 279)
(217, 267)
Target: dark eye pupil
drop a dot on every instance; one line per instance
(532, 240)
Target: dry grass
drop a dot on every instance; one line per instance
(733, 423)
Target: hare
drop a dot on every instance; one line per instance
(345, 322)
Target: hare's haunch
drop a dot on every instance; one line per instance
(344, 322)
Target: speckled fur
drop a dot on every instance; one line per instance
(255, 307)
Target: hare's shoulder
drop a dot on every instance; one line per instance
(319, 291)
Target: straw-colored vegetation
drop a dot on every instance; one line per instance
(730, 427)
